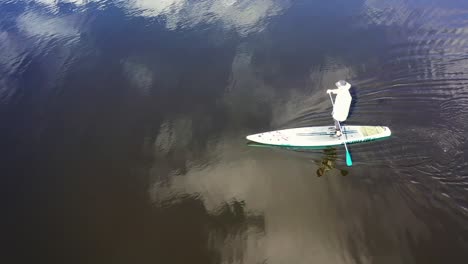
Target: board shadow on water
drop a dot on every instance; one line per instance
(327, 163)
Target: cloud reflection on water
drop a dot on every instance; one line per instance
(243, 16)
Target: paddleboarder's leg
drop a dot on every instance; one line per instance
(337, 128)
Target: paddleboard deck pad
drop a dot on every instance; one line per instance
(320, 136)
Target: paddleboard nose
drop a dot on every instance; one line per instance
(263, 138)
(255, 137)
(251, 137)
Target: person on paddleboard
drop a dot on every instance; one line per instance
(342, 103)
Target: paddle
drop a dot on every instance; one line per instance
(349, 161)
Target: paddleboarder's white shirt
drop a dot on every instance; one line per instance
(342, 102)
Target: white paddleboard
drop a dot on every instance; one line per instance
(320, 136)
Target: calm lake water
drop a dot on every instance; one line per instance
(124, 123)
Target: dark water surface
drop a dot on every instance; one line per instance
(123, 125)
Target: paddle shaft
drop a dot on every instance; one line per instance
(349, 162)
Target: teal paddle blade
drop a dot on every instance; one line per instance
(349, 161)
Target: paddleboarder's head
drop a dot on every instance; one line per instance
(342, 85)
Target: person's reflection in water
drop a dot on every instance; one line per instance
(328, 163)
